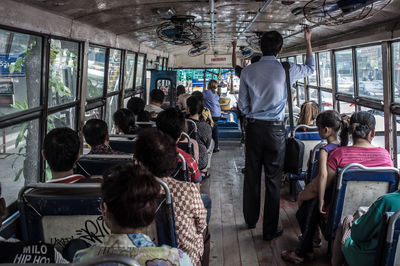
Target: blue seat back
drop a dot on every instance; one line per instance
(89, 165)
(357, 185)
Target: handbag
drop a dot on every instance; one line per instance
(294, 151)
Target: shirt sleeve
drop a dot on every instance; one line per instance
(333, 159)
(59, 258)
(368, 225)
(198, 210)
(194, 172)
(244, 96)
(298, 71)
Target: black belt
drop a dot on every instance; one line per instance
(269, 123)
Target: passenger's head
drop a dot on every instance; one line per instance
(124, 121)
(157, 96)
(330, 123)
(194, 105)
(255, 58)
(95, 132)
(3, 207)
(180, 90)
(271, 43)
(182, 100)
(61, 149)
(171, 122)
(362, 126)
(308, 113)
(198, 94)
(136, 105)
(129, 197)
(157, 151)
(212, 86)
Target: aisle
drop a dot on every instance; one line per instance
(233, 243)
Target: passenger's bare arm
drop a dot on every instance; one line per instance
(323, 176)
(234, 44)
(307, 36)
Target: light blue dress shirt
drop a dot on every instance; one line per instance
(262, 93)
(211, 101)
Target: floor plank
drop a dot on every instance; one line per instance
(232, 242)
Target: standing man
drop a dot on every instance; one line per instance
(262, 99)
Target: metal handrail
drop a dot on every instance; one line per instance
(362, 167)
(391, 224)
(133, 136)
(304, 126)
(188, 138)
(106, 156)
(193, 123)
(184, 165)
(166, 189)
(151, 123)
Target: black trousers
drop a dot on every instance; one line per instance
(308, 217)
(215, 131)
(265, 146)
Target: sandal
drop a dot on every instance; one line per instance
(290, 256)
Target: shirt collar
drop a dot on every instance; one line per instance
(268, 58)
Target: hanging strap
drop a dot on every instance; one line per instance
(286, 66)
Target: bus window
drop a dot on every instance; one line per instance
(301, 94)
(93, 114)
(64, 118)
(114, 70)
(312, 79)
(326, 101)
(19, 158)
(112, 107)
(369, 71)
(379, 119)
(139, 72)
(344, 71)
(347, 108)
(96, 72)
(398, 138)
(325, 77)
(396, 71)
(313, 96)
(291, 59)
(130, 65)
(63, 72)
(20, 71)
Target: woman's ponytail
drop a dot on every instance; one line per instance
(344, 132)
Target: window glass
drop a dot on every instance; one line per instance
(344, 71)
(379, 118)
(347, 108)
(63, 72)
(291, 59)
(96, 72)
(324, 62)
(64, 118)
(93, 114)
(19, 158)
(129, 70)
(114, 70)
(284, 59)
(139, 71)
(112, 107)
(299, 59)
(369, 71)
(160, 63)
(20, 71)
(301, 94)
(313, 95)
(396, 71)
(326, 101)
(398, 138)
(312, 79)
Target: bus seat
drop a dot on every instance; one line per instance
(357, 185)
(186, 146)
(58, 213)
(386, 253)
(146, 124)
(181, 172)
(123, 143)
(95, 164)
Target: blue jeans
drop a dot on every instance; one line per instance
(207, 204)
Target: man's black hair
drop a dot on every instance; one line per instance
(136, 105)
(157, 96)
(255, 58)
(180, 90)
(171, 122)
(271, 43)
(61, 149)
(95, 132)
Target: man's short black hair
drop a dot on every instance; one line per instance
(255, 58)
(180, 90)
(61, 149)
(171, 122)
(136, 105)
(95, 132)
(271, 43)
(195, 105)
(157, 96)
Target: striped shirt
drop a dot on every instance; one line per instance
(68, 179)
(369, 157)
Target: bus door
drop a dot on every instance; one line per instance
(165, 81)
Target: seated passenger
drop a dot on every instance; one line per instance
(157, 151)
(96, 135)
(129, 204)
(206, 113)
(21, 252)
(172, 123)
(358, 240)
(61, 151)
(156, 100)
(203, 135)
(362, 128)
(124, 121)
(308, 114)
(136, 106)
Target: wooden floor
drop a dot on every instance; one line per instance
(232, 242)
